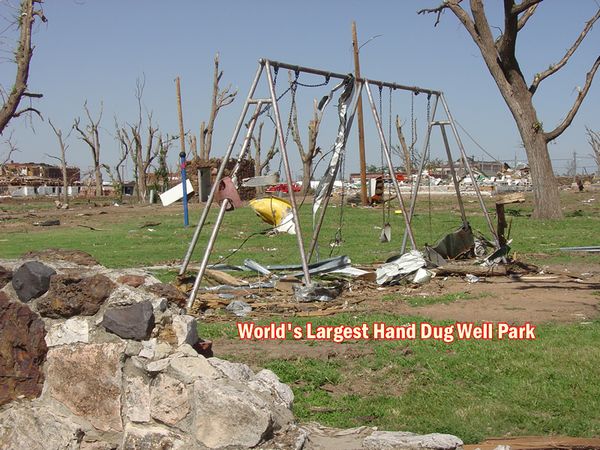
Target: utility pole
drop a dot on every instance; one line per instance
(574, 166)
(361, 125)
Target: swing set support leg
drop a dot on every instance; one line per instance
(224, 205)
(288, 173)
(219, 175)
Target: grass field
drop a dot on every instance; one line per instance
(473, 389)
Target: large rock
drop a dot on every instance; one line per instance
(151, 438)
(137, 399)
(71, 331)
(390, 440)
(5, 276)
(233, 371)
(22, 351)
(170, 292)
(268, 383)
(186, 329)
(130, 322)
(31, 280)
(228, 414)
(188, 369)
(131, 280)
(86, 378)
(69, 296)
(169, 402)
(27, 427)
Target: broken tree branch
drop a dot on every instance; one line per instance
(571, 114)
(539, 77)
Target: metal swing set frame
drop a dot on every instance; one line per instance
(266, 70)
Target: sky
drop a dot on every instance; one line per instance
(94, 50)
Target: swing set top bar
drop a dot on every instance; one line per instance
(341, 76)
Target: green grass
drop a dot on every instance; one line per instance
(425, 300)
(123, 243)
(473, 389)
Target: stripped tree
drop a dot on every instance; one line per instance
(220, 99)
(63, 159)
(261, 164)
(23, 54)
(142, 149)
(115, 173)
(312, 150)
(91, 136)
(594, 140)
(406, 151)
(499, 55)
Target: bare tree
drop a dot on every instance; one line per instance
(23, 54)
(220, 99)
(594, 140)
(62, 159)
(500, 58)
(312, 150)
(407, 151)
(91, 136)
(142, 149)
(115, 173)
(259, 163)
(161, 173)
(12, 148)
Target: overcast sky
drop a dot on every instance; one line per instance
(95, 49)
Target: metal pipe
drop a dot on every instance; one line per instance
(209, 247)
(211, 241)
(424, 153)
(475, 185)
(184, 199)
(388, 158)
(342, 76)
(317, 230)
(288, 173)
(220, 172)
(453, 172)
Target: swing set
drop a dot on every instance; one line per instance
(350, 91)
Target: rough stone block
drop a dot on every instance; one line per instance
(130, 322)
(32, 280)
(169, 402)
(86, 378)
(22, 351)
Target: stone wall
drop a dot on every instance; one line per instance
(98, 359)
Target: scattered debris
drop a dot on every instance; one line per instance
(470, 278)
(239, 308)
(47, 223)
(275, 211)
(392, 272)
(589, 249)
(316, 292)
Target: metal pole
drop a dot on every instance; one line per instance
(475, 185)
(288, 173)
(361, 130)
(424, 153)
(215, 231)
(186, 220)
(453, 172)
(317, 230)
(388, 158)
(219, 176)
(342, 76)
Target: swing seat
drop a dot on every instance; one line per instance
(276, 212)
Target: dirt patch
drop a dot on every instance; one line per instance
(538, 443)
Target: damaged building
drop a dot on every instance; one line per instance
(33, 179)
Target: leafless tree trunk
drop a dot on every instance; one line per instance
(307, 156)
(220, 99)
(259, 164)
(406, 150)
(142, 150)
(12, 148)
(594, 140)
(500, 58)
(23, 55)
(91, 136)
(62, 159)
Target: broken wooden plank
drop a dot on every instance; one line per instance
(224, 278)
(462, 270)
(516, 197)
